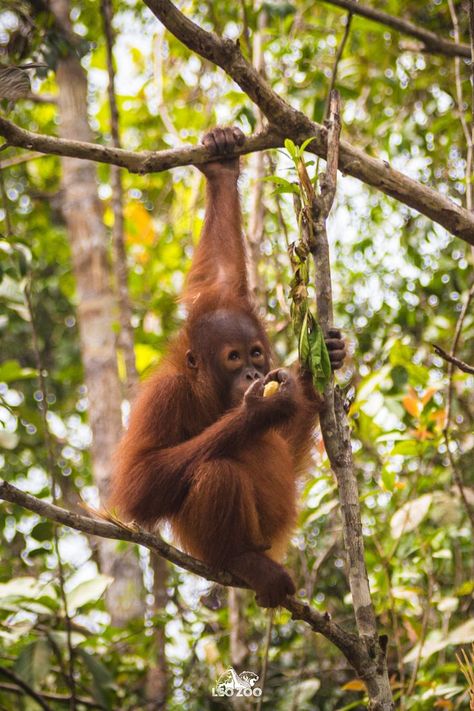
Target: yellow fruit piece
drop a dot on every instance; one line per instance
(271, 388)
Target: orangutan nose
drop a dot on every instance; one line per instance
(252, 374)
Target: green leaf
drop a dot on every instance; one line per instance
(388, 479)
(102, 680)
(88, 591)
(303, 343)
(410, 515)
(407, 448)
(320, 363)
(43, 531)
(34, 662)
(11, 370)
(306, 143)
(292, 149)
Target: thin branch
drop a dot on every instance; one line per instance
(455, 361)
(347, 642)
(266, 653)
(340, 52)
(29, 691)
(293, 124)
(43, 406)
(432, 43)
(461, 109)
(6, 210)
(333, 420)
(424, 630)
(59, 698)
(19, 160)
(126, 336)
(449, 406)
(42, 98)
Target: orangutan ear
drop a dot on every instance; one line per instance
(191, 360)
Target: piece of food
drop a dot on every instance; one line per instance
(271, 388)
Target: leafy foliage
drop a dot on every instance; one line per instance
(400, 283)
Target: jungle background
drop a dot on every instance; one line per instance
(92, 260)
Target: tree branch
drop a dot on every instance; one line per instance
(335, 428)
(48, 696)
(135, 162)
(285, 121)
(27, 689)
(455, 361)
(347, 642)
(431, 42)
(291, 123)
(353, 161)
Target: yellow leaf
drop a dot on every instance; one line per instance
(412, 405)
(439, 417)
(444, 704)
(421, 434)
(428, 394)
(354, 685)
(138, 224)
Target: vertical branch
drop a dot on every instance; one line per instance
(126, 339)
(335, 427)
(257, 171)
(458, 478)
(340, 51)
(471, 39)
(4, 197)
(43, 407)
(266, 651)
(238, 647)
(468, 131)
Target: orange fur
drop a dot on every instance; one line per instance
(222, 472)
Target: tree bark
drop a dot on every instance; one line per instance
(95, 313)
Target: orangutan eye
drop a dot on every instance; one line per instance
(234, 355)
(256, 353)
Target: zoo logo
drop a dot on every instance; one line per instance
(232, 684)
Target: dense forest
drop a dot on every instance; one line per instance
(103, 106)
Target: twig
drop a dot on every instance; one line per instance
(42, 98)
(455, 361)
(18, 160)
(340, 51)
(266, 651)
(449, 402)
(29, 691)
(432, 43)
(468, 134)
(59, 698)
(424, 629)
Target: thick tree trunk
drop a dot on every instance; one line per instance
(95, 312)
